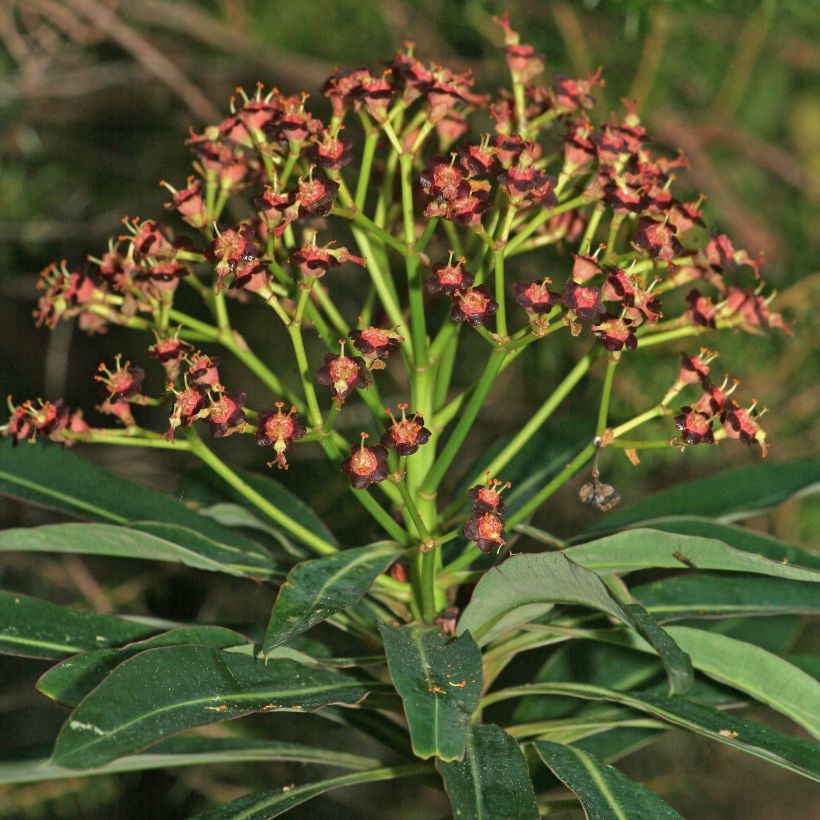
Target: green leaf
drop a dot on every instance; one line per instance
(202, 483)
(676, 662)
(604, 792)
(162, 691)
(526, 586)
(39, 629)
(729, 495)
(145, 540)
(56, 478)
(265, 805)
(493, 781)
(70, 681)
(439, 681)
(795, 754)
(187, 750)
(315, 590)
(753, 670)
(737, 537)
(707, 596)
(643, 549)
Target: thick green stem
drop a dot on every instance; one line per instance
(606, 394)
(500, 293)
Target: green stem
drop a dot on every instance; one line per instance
(500, 294)
(652, 413)
(363, 182)
(606, 394)
(123, 438)
(592, 226)
(544, 216)
(413, 512)
(210, 459)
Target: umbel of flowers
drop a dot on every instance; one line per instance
(394, 195)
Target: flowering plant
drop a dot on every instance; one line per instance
(393, 265)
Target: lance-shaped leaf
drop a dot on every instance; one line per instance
(187, 750)
(439, 681)
(266, 805)
(58, 479)
(315, 590)
(70, 681)
(738, 537)
(636, 549)
(145, 540)
(729, 495)
(39, 629)
(604, 792)
(525, 587)
(700, 595)
(162, 691)
(753, 670)
(792, 753)
(492, 781)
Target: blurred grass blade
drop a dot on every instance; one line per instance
(728, 496)
(700, 595)
(151, 541)
(315, 590)
(266, 805)
(637, 549)
(39, 629)
(604, 792)
(187, 750)
(758, 673)
(70, 681)
(492, 781)
(792, 753)
(162, 691)
(439, 681)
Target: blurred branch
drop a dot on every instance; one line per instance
(149, 56)
(651, 56)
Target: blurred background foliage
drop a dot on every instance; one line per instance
(96, 98)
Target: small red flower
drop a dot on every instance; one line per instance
(658, 238)
(487, 497)
(366, 466)
(375, 344)
(202, 371)
(487, 530)
(584, 302)
(569, 95)
(148, 239)
(615, 334)
(701, 309)
(444, 181)
(279, 430)
(740, 423)
(695, 369)
(405, 436)
(314, 261)
(189, 202)
(478, 160)
(527, 187)
(188, 406)
(586, 267)
(226, 414)
(278, 209)
(535, 297)
(474, 306)
(169, 353)
(753, 310)
(121, 384)
(695, 427)
(619, 287)
(28, 421)
(523, 61)
(448, 278)
(342, 374)
(330, 152)
(715, 398)
(232, 249)
(317, 194)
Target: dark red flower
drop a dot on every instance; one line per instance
(317, 194)
(188, 406)
(169, 353)
(66, 294)
(535, 297)
(740, 423)
(279, 430)
(341, 88)
(474, 306)
(162, 276)
(444, 181)
(579, 148)
(478, 160)
(202, 372)
(314, 261)
(414, 77)
(523, 61)
(685, 215)
(376, 93)
(366, 465)
(278, 209)
(375, 344)
(487, 530)
(584, 302)
(695, 427)
(189, 202)
(701, 309)
(695, 369)
(658, 238)
(527, 187)
(330, 152)
(714, 399)
(252, 276)
(121, 384)
(487, 497)
(405, 435)
(225, 414)
(569, 95)
(342, 374)
(448, 278)
(148, 239)
(615, 334)
(28, 421)
(509, 148)
(232, 249)
(296, 124)
(585, 268)
(753, 310)
(618, 287)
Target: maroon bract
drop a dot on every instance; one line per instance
(740, 423)
(695, 427)
(202, 371)
(448, 278)
(527, 187)
(330, 152)
(753, 310)
(658, 238)
(231, 249)
(343, 375)
(570, 95)
(375, 344)
(487, 530)
(189, 405)
(701, 309)
(487, 497)
(585, 268)
(474, 306)
(694, 369)
(189, 202)
(535, 297)
(584, 302)
(169, 353)
(122, 383)
(148, 239)
(366, 465)
(317, 194)
(523, 61)
(615, 333)
(279, 430)
(313, 261)
(405, 435)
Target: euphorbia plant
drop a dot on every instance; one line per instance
(283, 209)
